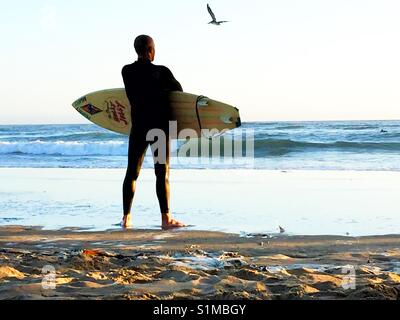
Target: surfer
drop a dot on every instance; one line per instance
(147, 87)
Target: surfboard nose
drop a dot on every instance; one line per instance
(79, 102)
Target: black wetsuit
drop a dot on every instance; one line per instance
(147, 87)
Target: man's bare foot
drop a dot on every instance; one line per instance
(126, 222)
(169, 223)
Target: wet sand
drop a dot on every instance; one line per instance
(303, 202)
(151, 264)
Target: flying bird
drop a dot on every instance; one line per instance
(214, 19)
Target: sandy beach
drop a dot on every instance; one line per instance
(60, 238)
(151, 264)
(79, 253)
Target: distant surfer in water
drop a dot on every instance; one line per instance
(147, 87)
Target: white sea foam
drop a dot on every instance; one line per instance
(70, 148)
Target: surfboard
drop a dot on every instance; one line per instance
(111, 110)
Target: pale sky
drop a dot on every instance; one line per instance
(274, 60)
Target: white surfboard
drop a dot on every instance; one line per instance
(111, 110)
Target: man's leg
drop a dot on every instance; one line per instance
(136, 153)
(162, 184)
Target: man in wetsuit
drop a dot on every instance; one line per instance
(147, 87)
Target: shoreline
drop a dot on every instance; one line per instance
(179, 264)
(245, 235)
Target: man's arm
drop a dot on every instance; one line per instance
(123, 73)
(171, 83)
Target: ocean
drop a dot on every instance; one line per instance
(314, 145)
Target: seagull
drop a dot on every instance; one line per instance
(214, 20)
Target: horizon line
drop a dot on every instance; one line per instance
(251, 121)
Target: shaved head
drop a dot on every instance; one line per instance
(144, 46)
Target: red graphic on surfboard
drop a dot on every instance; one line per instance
(117, 111)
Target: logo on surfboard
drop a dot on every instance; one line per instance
(116, 111)
(91, 109)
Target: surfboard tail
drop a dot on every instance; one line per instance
(238, 122)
